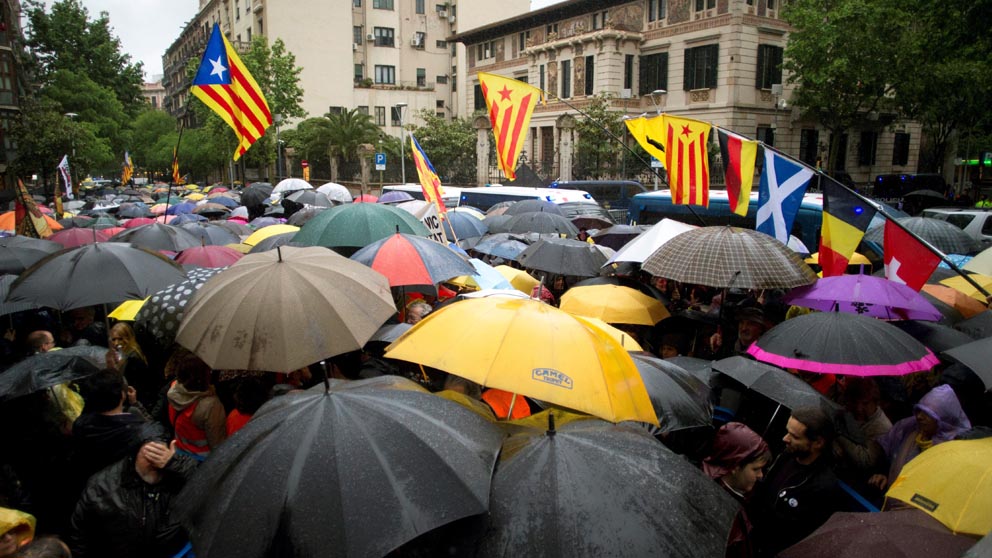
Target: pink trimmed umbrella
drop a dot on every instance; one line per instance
(209, 256)
(73, 238)
(841, 343)
(137, 222)
(865, 295)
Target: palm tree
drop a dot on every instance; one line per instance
(347, 130)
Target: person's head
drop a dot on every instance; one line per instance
(751, 323)
(416, 311)
(189, 370)
(104, 391)
(81, 318)
(44, 547)
(122, 339)
(808, 432)
(251, 394)
(939, 414)
(148, 471)
(737, 457)
(861, 397)
(16, 530)
(672, 345)
(463, 386)
(41, 341)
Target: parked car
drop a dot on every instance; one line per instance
(976, 222)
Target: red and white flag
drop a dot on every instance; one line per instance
(907, 261)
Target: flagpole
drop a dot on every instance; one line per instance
(175, 161)
(881, 210)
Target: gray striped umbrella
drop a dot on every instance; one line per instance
(729, 257)
(161, 314)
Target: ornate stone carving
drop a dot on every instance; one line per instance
(699, 95)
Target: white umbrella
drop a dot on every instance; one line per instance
(335, 192)
(291, 185)
(645, 244)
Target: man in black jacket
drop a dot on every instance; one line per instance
(800, 491)
(125, 510)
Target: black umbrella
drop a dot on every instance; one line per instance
(590, 488)
(95, 274)
(158, 236)
(271, 242)
(774, 383)
(162, 312)
(944, 236)
(11, 307)
(211, 235)
(356, 471)
(463, 225)
(937, 337)
(975, 355)
(497, 223)
(564, 257)
(256, 194)
(531, 206)
(679, 398)
(18, 253)
(541, 222)
(949, 314)
(302, 216)
(310, 197)
(504, 245)
(977, 326)
(44, 370)
(133, 210)
(617, 236)
(235, 227)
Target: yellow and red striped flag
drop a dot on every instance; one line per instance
(224, 84)
(175, 167)
(510, 103)
(429, 181)
(128, 169)
(686, 160)
(28, 219)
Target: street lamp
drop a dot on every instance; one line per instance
(277, 119)
(399, 109)
(656, 101)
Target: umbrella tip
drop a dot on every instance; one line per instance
(551, 423)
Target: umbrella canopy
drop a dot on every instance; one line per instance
(303, 216)
(256, 194)
(211, 235)
(161, 313)
(563, 256)
(484, 277)
(462, 225)
(268, 232)
(856, 259)
(497, 223)
(78, 221)
(617, 236)
(504, 245)
(44, 370)
(624, 282)
(224, 201)
(648, 242)
(964, 305)
(212, 209)
(618, 335)
(335, 192)
(73, 238)
(131, 210)
(982, 263)
(413, 260)
(356, 459)
(366, 198)
(395, 196)
(138, 221)
(187, 218)
(614, 304)
(961, 284)
(866, 295)
(128, 310)
(532, 206)
(944, 236)
(591, 489)
(952, 482)
(270, 243)
(975, 355)
(18, 253)
(288, 185)
(729, 256)
(774, 383)
(239, 229)
(977, 326)
(358, 225)
(533, 349)
(311, 198)
(541, 222)
(839, 343)
(11, 307)
(95, 274)
(520, 279)
(284, 309)
(209, 256)
(680, 399)
(936, 337)
(8, 222)
(903, 533)
(159, 237)
(180, 208)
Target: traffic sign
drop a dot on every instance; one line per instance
(304, 163)
(380, 161)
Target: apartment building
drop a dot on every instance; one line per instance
(713, 60)
(13, 83)
(154, 93)
(373, 55)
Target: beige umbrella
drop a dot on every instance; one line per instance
(284, 309)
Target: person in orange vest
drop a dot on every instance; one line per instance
(195, 411)
(500, 402)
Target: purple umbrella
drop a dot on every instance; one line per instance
(864, 294)
(395, 196)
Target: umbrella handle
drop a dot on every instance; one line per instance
(771, 420)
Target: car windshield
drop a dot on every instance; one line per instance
(960, 220)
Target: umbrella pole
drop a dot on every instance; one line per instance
(771, 420)
(513, 401)
(106, 323)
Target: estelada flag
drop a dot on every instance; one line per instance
(175, 167)
(28, 218)
(907, 260)
(738, 154)
(650, 134)
(686, 160)
(429, 181)
(510, 104)
(225, 85)
(845, 218)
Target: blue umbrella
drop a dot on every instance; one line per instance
(463, 225)
(179, 209)
(225, 201)
(503, 245)
(187, 218)
(395, 196)
(486, 276)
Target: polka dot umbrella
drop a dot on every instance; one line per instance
(161, 314)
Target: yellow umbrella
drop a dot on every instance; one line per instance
(266, 232)
(530, 348)
(952, 482)
(856, 259)
(961, 284)
(620, 336)
(242, 247)
(196, 196)
(614, 304)
(520, 279)
(128, 309)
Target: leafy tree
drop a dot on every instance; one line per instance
(310, 140)
(450, 145)
(44, 135)
(149, 126)
(66, 39)
(94, 105)
(598, 153)
(348, 129)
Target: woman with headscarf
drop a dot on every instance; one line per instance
(937, 418)
(736, 460)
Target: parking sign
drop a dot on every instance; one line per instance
(380, 161)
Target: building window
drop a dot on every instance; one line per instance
(443, 80)
(359, 72)
(384, 36)
(357, 34)
(809, 146)
(705, 5)
(771, 4)
(867, 147)
(900, 150)
(334, 110)
(480, 99)
(654, 73)
(439, 104)
(421, 77)
(441, 44)
(700, 67)
(769, 66)
(522, 40)
(766, 135)
(385, 74)
(628, 71)
(420, 6)
(363, 109)
(522, 79)
(419, 39)
(380, 116)
(549, 29)
(439, 8)
(396, 116)
(590, 73)
(382, 4)
(485, 50)
(540, 75)
(599, 20)
(566, 79)
(356, 3)
(657, 9)
(841, 153)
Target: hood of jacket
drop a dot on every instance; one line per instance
(943, 406)
(180, 397)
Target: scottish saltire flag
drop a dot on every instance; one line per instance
(66, 176)
(224, 84)
(783, 183)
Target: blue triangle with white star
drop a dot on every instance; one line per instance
(214, 68)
